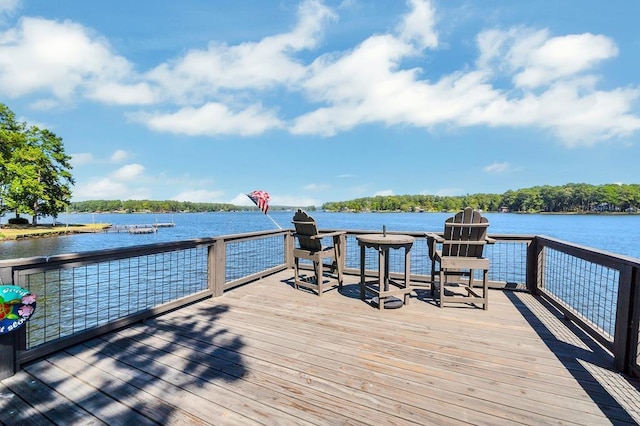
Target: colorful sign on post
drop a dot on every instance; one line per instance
(17, 305)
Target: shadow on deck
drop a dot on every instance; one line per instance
(266, 353)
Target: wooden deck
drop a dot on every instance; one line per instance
(268, 354)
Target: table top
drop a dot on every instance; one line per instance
(388, 239)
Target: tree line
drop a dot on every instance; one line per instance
(140, 206)
(35, 172)
(580, 198)
(572, 197)
(164, 206)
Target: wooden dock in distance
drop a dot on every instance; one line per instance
(164, 225)
(139, 228)
(150, 230)
(265, 353)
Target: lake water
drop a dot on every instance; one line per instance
(614, 233)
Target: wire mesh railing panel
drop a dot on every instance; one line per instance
(352, 253)
(586, 289)
(247, 257)
(420, 262)
(508, 261)
(74, 299)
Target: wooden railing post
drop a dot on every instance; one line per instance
(216, 267)
(634, 327)
(625, 337)
(534, 255)
(8, 345)
(9, 342)
(289, 244)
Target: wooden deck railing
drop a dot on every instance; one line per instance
(83, 295)
(599, 291)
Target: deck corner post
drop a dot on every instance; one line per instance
(216, 267)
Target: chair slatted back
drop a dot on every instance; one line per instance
(465, 234)
(305, 229)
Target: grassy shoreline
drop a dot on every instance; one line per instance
(17, 232)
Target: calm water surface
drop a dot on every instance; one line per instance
(618, 234)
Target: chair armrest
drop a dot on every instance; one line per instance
(328, 234)
(490, 240)
(436, 237)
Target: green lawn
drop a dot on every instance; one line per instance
(14, 232)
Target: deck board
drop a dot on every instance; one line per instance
(266, 353)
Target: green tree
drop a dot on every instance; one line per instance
(35, 177)
(11, 136)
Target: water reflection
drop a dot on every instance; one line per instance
(33, 247)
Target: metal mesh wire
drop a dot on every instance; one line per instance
(586, 289)
(508, 259)
(248, 257)
(77, 298)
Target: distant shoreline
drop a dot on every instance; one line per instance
(19, 232)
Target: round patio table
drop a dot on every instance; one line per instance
(382, 243)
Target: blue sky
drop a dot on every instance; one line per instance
(317, 101)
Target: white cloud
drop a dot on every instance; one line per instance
(81, 158)
(293, 200)
(127, 182)
(200, 196)
(8, 8)
(575, 111)
(552, 82)
(128, 173)
(360, 86)
(119, 155)
(109, 189)
(419, 25)
(497, 167)
(241, 200)
(449, 192)
(47, 104)
(536, 59)
(564, 56)
(366, 85)
(70, 54)
(251, 65)
(443, 192)
(383, 193)
(116, 93)
(278, 199)
(316, 187)
(211, 119)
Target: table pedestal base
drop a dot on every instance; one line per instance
(383, 243)
(390, 302)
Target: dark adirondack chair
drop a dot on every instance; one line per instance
(310, 247)
(460, 254)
